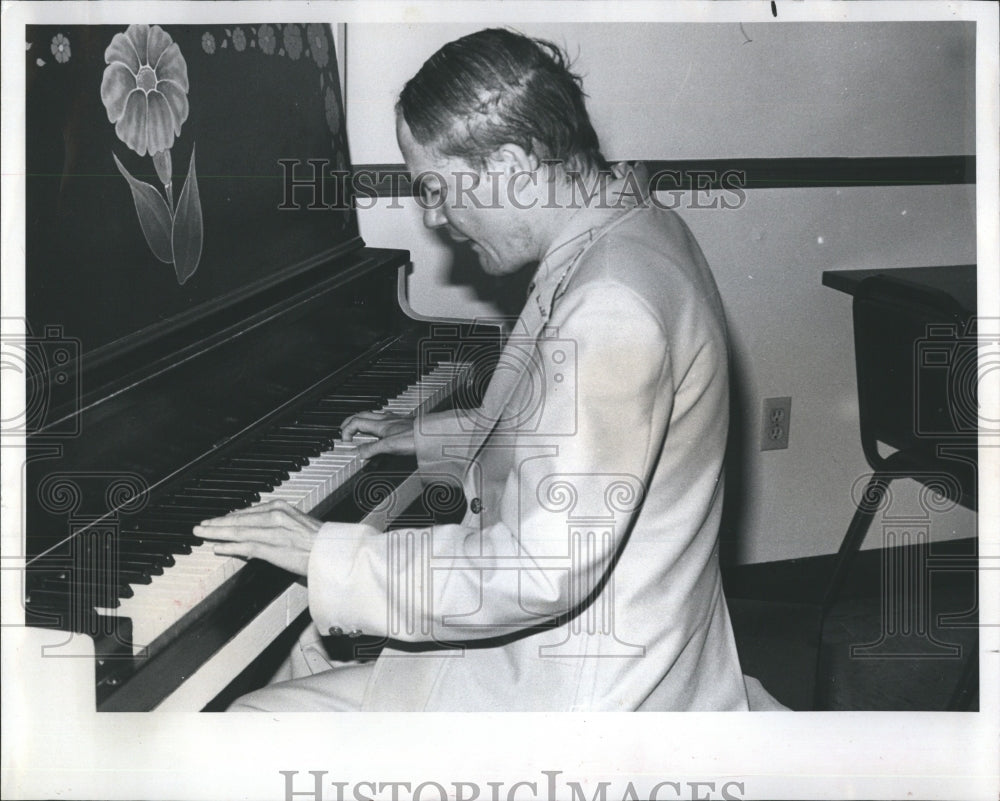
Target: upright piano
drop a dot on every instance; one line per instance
(202, 314)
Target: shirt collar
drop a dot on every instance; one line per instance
(625, 188)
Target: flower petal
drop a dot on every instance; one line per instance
(139, 34)
(159, 40)
(173, 67)
(177, 100)
(116, 85)
(131, 128)
(159, 123)
(122, 50)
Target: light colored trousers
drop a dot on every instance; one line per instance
(309, 682)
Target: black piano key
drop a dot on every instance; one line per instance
(363, 396)
(169, 544)
(356, 396)
(408, 373)
(261, 444)
(132, 572)
(388, 376)
(246, 486)
(46, 599)
(346, 407)
(359, 400)
(264, 456)
(196, 513)
(333, 419)
(194, 495)
(328, 417)
(124, 546)
(192, 514)
(333, 414)
(246, 469)
(292, 445)
(329, 430)
(178, 543)
(319, 429)
(365, 400)
(400, 374)
(105, 560)
(144, 553)
(335, 429)
(161, 526)
(319, 440)
(83, 587)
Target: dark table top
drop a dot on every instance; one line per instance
(958, 280)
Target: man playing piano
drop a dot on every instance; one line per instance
(585, 573)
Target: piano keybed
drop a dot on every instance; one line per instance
(155, 574)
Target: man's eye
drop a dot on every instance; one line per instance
(430, 194)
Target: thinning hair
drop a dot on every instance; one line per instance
(498, 87)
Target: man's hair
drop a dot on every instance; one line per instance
(497, 87)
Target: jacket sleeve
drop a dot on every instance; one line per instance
(442, 441)
(584, 457)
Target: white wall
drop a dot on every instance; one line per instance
(793, 336)
(667, 90)
(794, 90)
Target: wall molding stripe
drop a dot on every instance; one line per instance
(392, 180)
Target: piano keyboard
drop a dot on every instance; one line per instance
(197, 571)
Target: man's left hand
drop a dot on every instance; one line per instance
(274, 531)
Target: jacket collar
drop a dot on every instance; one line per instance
(620, 195)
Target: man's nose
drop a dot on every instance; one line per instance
(434, 216)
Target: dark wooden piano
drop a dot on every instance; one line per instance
(200, 320)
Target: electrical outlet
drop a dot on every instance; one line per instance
(775, 423)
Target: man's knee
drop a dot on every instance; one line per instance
(341, 689)
(251, 702)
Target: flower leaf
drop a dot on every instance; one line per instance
(154, 215)
(188, 231)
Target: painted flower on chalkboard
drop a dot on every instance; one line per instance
(145, 88)
(239, 39)
(208, 43)
(266, 39)
(318, 45)
(293, 41)
(60, 48)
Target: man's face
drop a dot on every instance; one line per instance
(470, 205)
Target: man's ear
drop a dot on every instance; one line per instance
(510, 159)
(518, 167)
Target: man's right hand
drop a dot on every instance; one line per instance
(394, 432)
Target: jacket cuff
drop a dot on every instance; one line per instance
(334, 554)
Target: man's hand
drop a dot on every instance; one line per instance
(394, 432)
(276, 532)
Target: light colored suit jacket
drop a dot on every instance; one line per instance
(585, 574)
